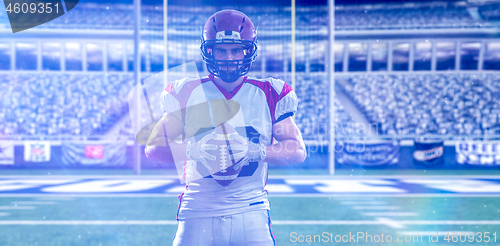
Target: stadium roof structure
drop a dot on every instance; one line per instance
(220, 2)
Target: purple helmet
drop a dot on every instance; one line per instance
(229, 27)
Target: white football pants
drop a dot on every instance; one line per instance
(251, 228)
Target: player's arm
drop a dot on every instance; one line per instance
(290, 148)
(161, 145)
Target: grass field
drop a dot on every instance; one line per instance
(149, 219)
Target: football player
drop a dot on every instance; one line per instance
(260, 110)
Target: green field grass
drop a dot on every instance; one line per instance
(284, 212)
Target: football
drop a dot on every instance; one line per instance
(223, 167)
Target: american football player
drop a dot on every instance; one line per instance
(259, 110)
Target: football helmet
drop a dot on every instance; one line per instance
(229, 27)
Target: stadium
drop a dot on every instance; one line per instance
(398, 108)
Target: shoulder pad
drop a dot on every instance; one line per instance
(277, 84)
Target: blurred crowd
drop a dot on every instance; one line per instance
(50, 104)
(61, 104)
(440, 104)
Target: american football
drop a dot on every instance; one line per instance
(224, 171)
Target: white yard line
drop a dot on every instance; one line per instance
(451, 222)
(296, 177)
(344, 197)
(433, 233)
(352, 198)
(391, 223)
(80, 177)
(375, 207)
(33, 203)
(364, 177)
(338, 196)
(390, 214)
(364, 203)
(54, 198)
(380, 221)
(17, 207)
(88, 222)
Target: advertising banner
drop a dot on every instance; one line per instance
(94, 154)
(367, 153)
(478, 153)
(428, 153)
(490, 11)
(36, 151)
(6, 153)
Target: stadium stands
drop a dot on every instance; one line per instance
(65, 103)
(412, 16)
(432, 104)
(50, 104)
(76, 104)
(313, 115)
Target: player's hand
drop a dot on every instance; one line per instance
(197, 151)
(247, 151)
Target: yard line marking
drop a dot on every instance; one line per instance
(380, 221)
(433, 233)
(353, 198)
(4, 214)
(49, 197)
(129, 195)
(78, 177)
(340, 197)
(33, 203)
(326, 222)
(13, 184)
(88, 222)
(343, 177)
(390, 214)
(349, 186)
(281, 188)
(271, 177)
(451, 222)
(107, 186)
(364, 203)
(176, 189)
(371, 196)
(391, 223)
(17, 207)
(375, 207)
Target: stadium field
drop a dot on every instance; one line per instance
(305, 210)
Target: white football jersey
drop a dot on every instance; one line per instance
(252, 109)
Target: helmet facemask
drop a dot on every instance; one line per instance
(228, 70)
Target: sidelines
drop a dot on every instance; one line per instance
(296, 177)
(275, 222)
(438, 186)
(329, 195)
